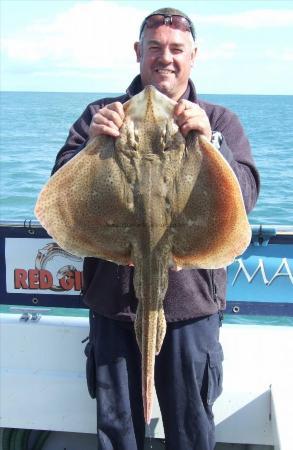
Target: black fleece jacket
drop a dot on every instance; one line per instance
(108, 287)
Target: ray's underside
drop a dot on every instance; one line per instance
(152, 199)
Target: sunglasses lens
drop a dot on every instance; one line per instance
(155, 21)
(177, 22)
(181, 23)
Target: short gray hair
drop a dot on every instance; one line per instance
(169, 12)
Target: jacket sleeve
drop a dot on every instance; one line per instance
(77, 138)
(236, 149)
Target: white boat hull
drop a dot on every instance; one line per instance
(43, 384)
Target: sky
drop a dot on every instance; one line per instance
(244, 47)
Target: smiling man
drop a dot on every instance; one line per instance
(166, 55)
(188, 372)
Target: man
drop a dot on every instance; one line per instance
(188, 372)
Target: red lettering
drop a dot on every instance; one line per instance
(20, 277)
(67, 282)
(77, 280)
(33, 278)
(46, 279)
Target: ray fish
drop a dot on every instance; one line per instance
(152, 199)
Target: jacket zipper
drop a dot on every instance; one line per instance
(214, 287)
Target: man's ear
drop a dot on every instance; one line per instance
(137, 49)
(193, 55)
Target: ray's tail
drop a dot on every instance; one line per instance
(150, 331)
(150, 282)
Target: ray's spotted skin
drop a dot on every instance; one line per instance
(150, 198)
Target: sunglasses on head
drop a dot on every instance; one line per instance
(174, 21)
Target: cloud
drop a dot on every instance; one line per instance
(224, 51)
(94, 39)
(259, 18)
(99, 34)
(285, 55)
(89, 35)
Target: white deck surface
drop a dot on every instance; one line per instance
(42, 380)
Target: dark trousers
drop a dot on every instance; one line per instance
(188, 379)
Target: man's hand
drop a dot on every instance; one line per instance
(190, 116)
(107, 120)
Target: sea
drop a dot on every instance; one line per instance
(34, 126)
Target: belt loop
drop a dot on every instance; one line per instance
(221, 317)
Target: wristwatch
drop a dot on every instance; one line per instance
(217, 139)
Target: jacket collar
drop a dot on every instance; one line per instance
(136, 86)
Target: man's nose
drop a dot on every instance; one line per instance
(166, 56)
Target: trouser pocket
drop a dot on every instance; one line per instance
(90, 369)
(215, 375)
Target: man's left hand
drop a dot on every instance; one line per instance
(190, 116)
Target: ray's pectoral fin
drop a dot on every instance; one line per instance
(213, 225)
(76, 205)
(64, 204)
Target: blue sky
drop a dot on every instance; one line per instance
(244, 47)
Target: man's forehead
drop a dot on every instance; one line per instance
(165, 34)
(159, 42)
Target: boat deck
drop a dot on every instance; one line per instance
(253, 408)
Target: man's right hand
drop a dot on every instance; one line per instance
(107, 120)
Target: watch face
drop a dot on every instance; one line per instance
(217, 139)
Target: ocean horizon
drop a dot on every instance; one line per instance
(34, 126)
(104, 93)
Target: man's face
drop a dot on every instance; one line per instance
(166, 56)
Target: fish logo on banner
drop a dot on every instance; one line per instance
(45, 268)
